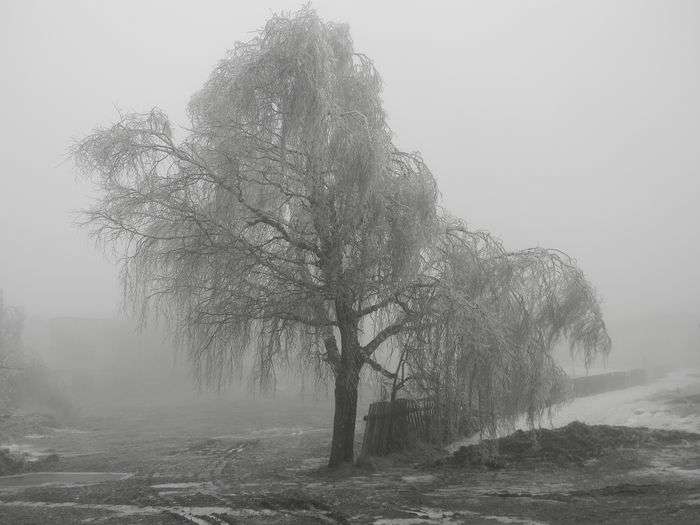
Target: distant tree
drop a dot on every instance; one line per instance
(11, 327)
(285, 224)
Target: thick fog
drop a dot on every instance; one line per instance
(571, 125)
(306, 331)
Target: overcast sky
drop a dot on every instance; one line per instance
(573, 125)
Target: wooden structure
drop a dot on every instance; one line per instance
(392, 426)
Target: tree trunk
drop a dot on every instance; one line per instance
(343, 441)
(347, 378)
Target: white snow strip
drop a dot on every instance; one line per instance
(183, 486)
(425, 515)
(62, 479)
(274, 432)
(634, 407)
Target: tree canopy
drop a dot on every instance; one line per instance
(287, 226)
(495, 319)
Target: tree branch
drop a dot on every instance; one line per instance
(374, 365)
(382, 336)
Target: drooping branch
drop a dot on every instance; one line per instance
(285, 198)
(374, 365)
(495, 319)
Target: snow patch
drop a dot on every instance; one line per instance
(61, 479)
(30, 452)
(431, 516)
(425, 478)
(194, 514)
(184, 486)
(637, 406)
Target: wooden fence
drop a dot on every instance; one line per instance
(395, 426)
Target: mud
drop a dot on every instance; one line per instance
(264, 464)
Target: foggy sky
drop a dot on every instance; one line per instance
(573, 125)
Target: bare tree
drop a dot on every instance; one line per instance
(284, 225)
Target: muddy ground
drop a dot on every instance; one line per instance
(262, 462)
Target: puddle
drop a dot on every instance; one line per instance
(183, 486)
(69, 430)
(508, 519)
(429, 516)
(667, 471)
(180, 489)
(274, 432)
(426, 515)
(495, 487)
(60, 479)
(309, 464)
(425, 478)
(190, 514)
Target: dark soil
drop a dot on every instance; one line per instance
(259, 462)
(573, 444)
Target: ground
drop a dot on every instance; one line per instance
(262, 462)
